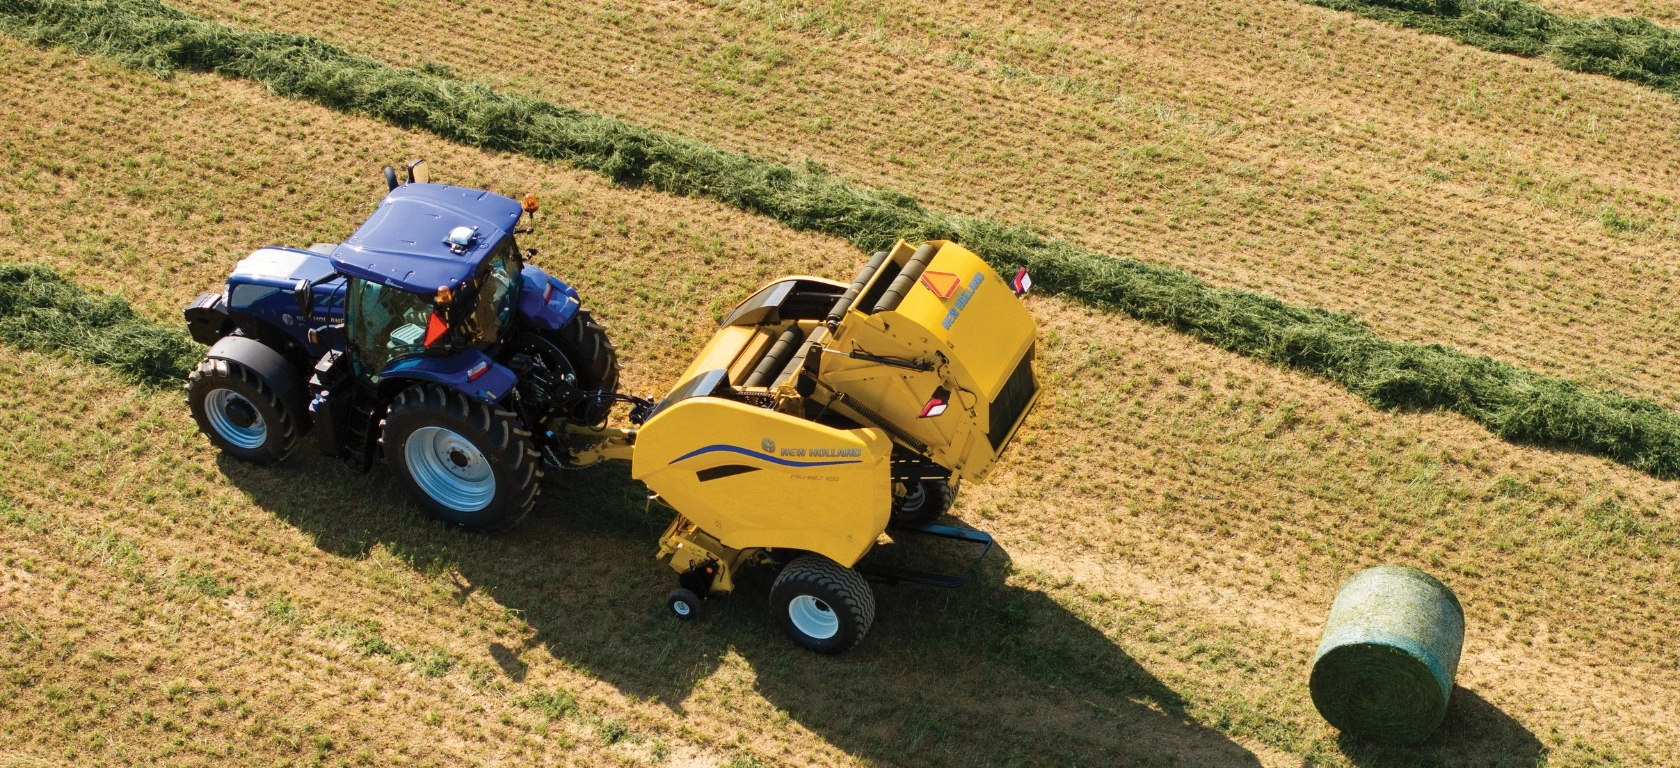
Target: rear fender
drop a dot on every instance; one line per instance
(455, 372)
(546, 302)
(288, 384)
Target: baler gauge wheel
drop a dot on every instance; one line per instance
(684, 604)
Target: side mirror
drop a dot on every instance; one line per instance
(305, 298)
(391, 177)
(417, 172)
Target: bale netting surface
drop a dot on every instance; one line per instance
(1385, 665)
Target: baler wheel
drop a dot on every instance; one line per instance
(823, 605)
(240, 412)
(468, 463)
(926, 501)
(684, 604)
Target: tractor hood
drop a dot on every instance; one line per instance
(402, 245)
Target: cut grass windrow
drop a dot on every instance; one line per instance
(41, 310)
(1627, 48)
(1514, 403)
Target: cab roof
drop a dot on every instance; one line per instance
(402, 244)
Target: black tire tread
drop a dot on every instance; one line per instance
(507, 438)
(591, 353)
(947, 497)
(211, 369)
(822, 572)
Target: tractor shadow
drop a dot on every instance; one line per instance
(981, 675)
(1474, 733)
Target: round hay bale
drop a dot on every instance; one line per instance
(1389, 653)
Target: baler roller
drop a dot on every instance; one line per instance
(778, 356)
(906, 278)
(851, 294)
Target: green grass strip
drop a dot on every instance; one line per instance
(41, 310)
(1514, 403)
(1627, 48)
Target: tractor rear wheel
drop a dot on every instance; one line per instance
(468, 463)
(822, 605)
(594, 360)
(240, 412)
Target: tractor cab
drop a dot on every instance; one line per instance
(433, 273)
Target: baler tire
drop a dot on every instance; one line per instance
(498, 436)
(242, 385)
(821, 591)
(684, 604)
(594, 360)
(914, 510)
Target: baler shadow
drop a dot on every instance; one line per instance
(985, 674)
(1475, 732)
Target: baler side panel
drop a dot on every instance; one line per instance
(754, 478)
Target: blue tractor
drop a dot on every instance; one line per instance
(424, 339)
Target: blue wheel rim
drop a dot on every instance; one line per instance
(449, 469)
(216, 406)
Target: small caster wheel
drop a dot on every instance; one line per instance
(684, 604)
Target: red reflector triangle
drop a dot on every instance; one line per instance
(943, 284)
(434, 329)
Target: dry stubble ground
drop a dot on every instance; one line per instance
(1177, 519)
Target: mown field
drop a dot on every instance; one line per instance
(1440, 192)
(1656, 10)
(1173, 520)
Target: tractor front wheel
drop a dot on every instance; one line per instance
(240, 412)
(468, 463)
(593, 358)
(823, 605)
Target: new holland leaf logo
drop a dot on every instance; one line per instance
(943, 284)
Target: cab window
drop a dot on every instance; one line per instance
(496, 298)
(388, 325)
